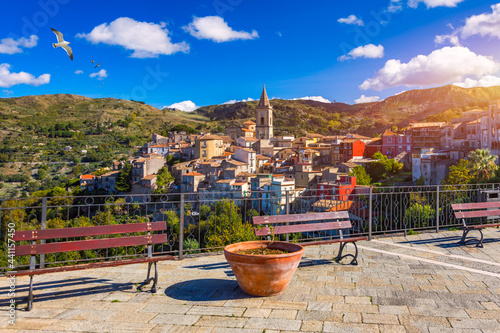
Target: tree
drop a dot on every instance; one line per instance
(362, 178)
(482, 164)
(124, 180)
(163, 179)
(459, 174)
(383, 167)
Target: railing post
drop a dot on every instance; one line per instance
(43, 227)
(437, 209)
(370, 215)
(287, 211)
(181, 228)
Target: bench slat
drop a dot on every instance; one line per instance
(476, 205)
(91, 265)
(90, 244)
(477, 213)
(28, 235)
(300, 217)
(337, 240)
(481, 226)
(285, 229)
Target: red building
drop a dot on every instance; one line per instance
(340, 190)
(373, 147)
(352, 148)
(394, 144)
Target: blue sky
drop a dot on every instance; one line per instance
(210, 52)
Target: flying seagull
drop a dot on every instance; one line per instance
(92, 61)
(99, 64)
(62, 43)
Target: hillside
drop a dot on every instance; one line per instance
(296, 116)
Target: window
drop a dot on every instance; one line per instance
(400, 139)
(204, 153)
(400, 149)
(408, 148)
(262, 120)
(204, 144)
(389, 139)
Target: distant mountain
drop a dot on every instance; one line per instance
(366, 118)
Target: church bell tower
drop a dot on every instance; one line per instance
(264, 118)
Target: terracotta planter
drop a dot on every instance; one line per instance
(263, 275)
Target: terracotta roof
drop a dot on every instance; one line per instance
(159, 146)
(350, 164)
(149, 177)
(263, 157)
(240, 183)
(210, 137)
(247, 130)
(350, 140)
(376, 141)
(111, 174)
(388, 133)
(250, 139)
(194, 173)
(226, 153)
(314, 135)
(248, 122)
(245, 174)
(420, 125)
(225, 181)
(237, 162)
(248, 150)
(87, 177)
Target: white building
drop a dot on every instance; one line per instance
(248, 156)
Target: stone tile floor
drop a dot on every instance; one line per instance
(418, 283)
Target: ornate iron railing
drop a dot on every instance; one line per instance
(204, 222)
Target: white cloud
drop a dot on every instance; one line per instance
(9, 79)
(78, 71)
(368, 51)
(7, 92)
(351, 19)
(312, 98)
(366, 99)
(434, 3)
(147, 40)
(451, 38)
(187, 106)
(233, 101)
(216, 29)
(100, 75)
(483, 24)
(11, 46)
(394, 6)
(442, 66)
(485, 81)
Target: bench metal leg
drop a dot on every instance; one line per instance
(148, 279)
(354, 256)
(30, 295)
(466, 232)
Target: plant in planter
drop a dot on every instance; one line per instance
(263, 268)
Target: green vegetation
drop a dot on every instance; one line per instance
(383, 167)
(362, 178)
(124, 180)
(459, 174)
(482, 165)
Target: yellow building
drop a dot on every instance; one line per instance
(209, 146)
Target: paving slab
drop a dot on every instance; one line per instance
(418, 283)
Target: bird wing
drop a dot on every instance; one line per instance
(69, 51)
(58, 34)
(92, 61)
(99, 64)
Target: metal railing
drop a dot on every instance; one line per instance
(199, 222)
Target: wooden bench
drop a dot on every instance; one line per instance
(482, 211)
(311, 222)
(90, 244)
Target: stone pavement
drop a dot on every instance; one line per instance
(418, 283)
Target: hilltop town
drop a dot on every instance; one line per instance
(248, 158)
